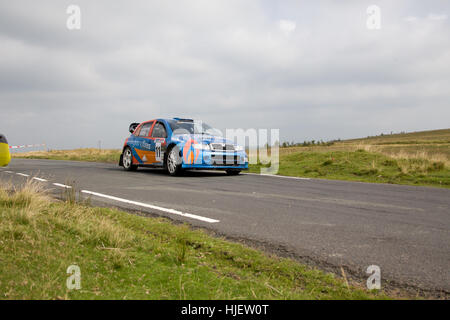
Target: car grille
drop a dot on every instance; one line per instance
(222, 147)
(226, 160)
(226, 157)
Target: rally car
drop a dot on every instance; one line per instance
(180, 144)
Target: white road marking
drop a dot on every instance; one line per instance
(22, 174)
(277, 176)
(26, 175)
(61, 185)
(136, 203)
(146, 205)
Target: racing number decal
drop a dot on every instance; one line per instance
(158, 151)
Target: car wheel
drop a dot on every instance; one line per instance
(233, 172)
(173, 161)
(127, 160)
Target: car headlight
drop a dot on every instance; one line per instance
(238, 148)
(202, 146)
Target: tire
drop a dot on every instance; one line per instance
(233, 172)
(127, 160)
(173, 161)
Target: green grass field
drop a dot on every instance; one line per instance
(124, 256)
(417, 158)
(361, 165)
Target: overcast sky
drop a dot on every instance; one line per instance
(312, 69)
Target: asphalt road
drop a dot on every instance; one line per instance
(332, 224)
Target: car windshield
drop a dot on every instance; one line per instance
(192, 127)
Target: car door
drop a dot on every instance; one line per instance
(143, 144)
(158, 144)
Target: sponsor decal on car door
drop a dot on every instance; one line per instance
(159, 135)
(143, 145)
(158, 157)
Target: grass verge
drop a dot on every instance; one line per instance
(124, 256)
(416, 158)
(364, 166)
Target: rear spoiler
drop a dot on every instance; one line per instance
(133, 126)
(183, 120)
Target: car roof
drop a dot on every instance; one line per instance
(168, 119)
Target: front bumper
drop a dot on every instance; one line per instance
(207, 159)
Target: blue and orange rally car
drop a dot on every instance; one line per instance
(179, 144)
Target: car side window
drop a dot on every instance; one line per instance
(137, 131)
(159, 131)
(145, 129)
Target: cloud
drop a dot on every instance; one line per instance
(411, 19)
(229, 63)
(434, 16)
(287, 26)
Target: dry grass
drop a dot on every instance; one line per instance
(32, 198)
(433, 146)
(420, 155)
(84, 154)
(400, 152)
